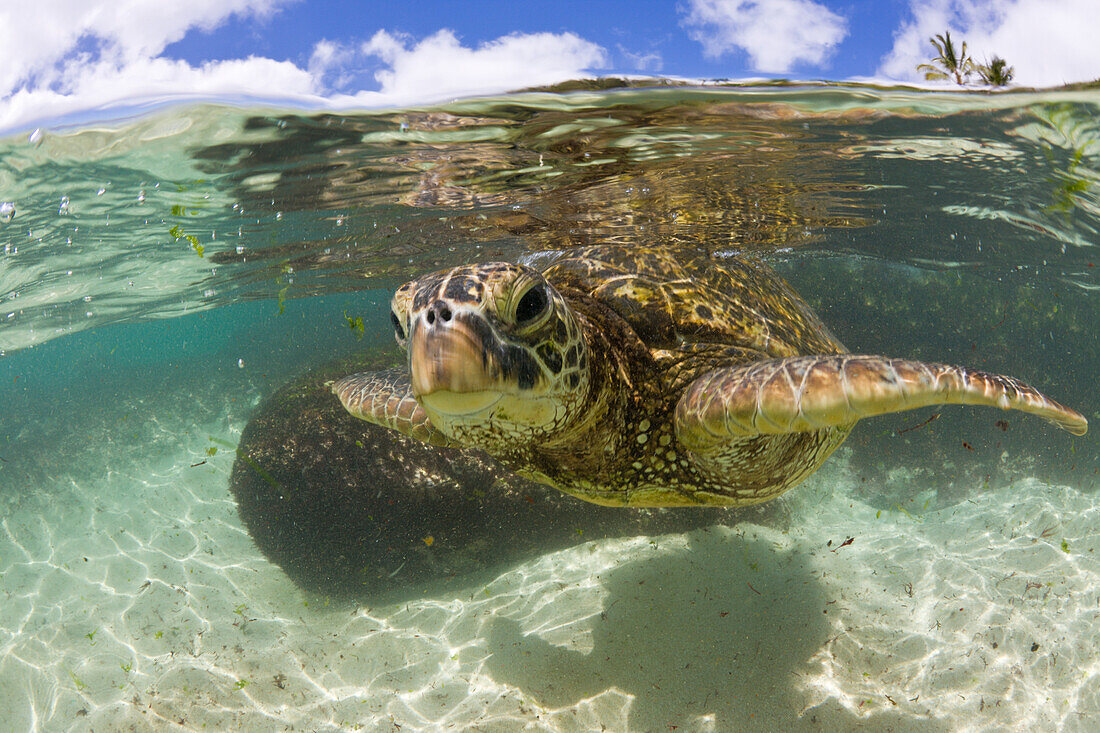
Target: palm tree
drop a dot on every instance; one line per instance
(953, 64)
(997, 73)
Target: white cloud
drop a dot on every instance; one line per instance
(38, 38)
(440, 66)
(643, 61)
(1048, 43)
(329, 64)
(776, 34)
(60, 57)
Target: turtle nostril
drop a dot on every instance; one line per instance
(438, 311)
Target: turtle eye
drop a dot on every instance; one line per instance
(532, 305)
(398, 329)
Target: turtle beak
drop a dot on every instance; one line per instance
(448, 362)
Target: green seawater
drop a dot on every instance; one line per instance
(161, 275)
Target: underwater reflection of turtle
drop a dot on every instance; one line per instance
(645, 376)
(353, 510)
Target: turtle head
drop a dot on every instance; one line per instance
(495, 353)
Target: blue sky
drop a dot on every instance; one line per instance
(629, 31)
(61, 57)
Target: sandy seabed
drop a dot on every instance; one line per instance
(134, 600)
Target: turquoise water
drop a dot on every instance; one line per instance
(161, 276)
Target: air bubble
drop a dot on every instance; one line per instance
(35, 138)
(7, 212)
(63, 208)
(141, 196)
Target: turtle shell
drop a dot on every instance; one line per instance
(677, 298)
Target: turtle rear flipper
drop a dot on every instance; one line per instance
(806, 393)
(385, 398)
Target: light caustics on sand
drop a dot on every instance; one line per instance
(139, 597)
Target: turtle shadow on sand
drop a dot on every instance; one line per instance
(718, 633)
(353, 511)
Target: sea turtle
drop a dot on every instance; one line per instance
(645, 376)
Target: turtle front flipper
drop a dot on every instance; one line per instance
(385, 398)
(806, 393)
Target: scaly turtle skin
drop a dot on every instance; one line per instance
(640, 376)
